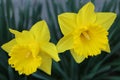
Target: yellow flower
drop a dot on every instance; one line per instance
(31, 50)
(85, 33)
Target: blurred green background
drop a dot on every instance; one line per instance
(22, 14)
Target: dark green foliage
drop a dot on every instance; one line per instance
(102, 67)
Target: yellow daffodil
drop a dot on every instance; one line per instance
(31, 50)
(85, 33)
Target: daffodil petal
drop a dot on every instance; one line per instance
(86, 15)
(25, 37)
(105, 19)
(8, 46)
(46, 64)
(51, 50)
(40, 31)
(107, 49)
(15, 32)
(67, 22)
(65, 43)
(77, 57)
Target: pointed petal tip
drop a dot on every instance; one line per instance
(79, 60)
(40, 22)
(2, 47)
(114, 15)
(43, 21)
(15, 32)
(89, 4)
(58, 59)
(60, 16)
(11, 30)
(108, 51)
(49, 73)
(8, 46)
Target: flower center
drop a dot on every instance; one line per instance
(28, 54)
(85, 35)
(26, 51)
(22, 51)
(91, 40)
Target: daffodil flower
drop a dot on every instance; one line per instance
(85, 33)
(31, 50)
